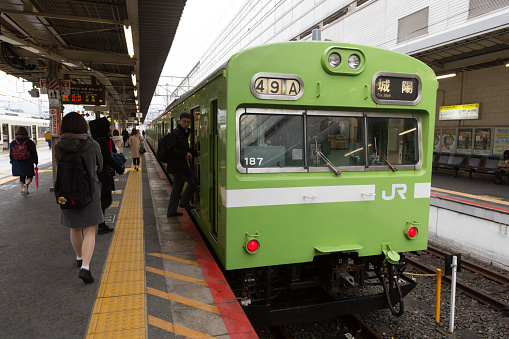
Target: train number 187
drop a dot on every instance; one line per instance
(253, 161)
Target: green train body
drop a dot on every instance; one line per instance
(258, 123)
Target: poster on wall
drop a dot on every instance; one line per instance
(465, 140)
(500, 141)
(436, 142)
(449, 140)
(482, 143)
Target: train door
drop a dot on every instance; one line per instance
(34, 134)
(195, 143)
(5, 136)
(215, 198)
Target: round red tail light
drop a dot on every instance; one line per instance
(412, 232)
(253, 245)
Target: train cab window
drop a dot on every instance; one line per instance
(338, 138)
(392, 141)
(271, 141)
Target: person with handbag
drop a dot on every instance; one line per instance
(137, 149)
(100, 129)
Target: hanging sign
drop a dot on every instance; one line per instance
(43, 84)
(55, 120)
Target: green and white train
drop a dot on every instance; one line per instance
(314, 174)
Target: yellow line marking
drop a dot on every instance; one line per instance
(473, 196)
(122, 287)
(4, 180)
(181, 330)
(176, 276)
(183, 300)
(170, 257)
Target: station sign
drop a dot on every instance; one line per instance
(276, 86)
(459, 112)
(85, 95)
(396, 89)
(55, 120)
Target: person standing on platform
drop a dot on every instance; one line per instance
(499, 172)
(47, 137)
(23, 155)
(143, 133)
(125, 136)
(100, 129)
(179, 155)
(134, 142)
(82, 222)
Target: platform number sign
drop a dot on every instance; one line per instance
(275, 86)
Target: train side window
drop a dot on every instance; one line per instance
(340, 139)
(392, 140)
(271, 140)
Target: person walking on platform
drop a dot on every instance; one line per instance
(179, 155)
(118, 140)
(135, 142)
(125, 137)
(23, 155)
(83, 221)
(47, 137)
(499, 172)
(100, 129)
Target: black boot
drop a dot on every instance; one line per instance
(103, 228)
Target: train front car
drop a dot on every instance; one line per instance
(328, 181)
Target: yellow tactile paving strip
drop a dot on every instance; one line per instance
(119, 310)
(472, 196)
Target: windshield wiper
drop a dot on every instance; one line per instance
(324, 158)
(393, 168)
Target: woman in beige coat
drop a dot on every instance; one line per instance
(135, 142)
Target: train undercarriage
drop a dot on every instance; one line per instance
(330, 286)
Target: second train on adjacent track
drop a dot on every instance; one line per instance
(314, 174)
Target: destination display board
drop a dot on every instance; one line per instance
(276, 86)
(396, 89)
(459, 112)
(85, 95)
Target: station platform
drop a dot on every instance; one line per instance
(154, 276)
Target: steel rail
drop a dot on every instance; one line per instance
(467, 290)
(485, 272)
(361, 327)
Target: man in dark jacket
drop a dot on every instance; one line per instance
(23, 168)
(100, 129)
(125, 137)
(179, 155)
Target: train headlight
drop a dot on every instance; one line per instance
(343, 60)
(252, 244)
(354, 61)
(334, 60)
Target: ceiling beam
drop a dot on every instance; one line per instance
(62, 16)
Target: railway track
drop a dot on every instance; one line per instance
(360, 329)
(464, 288)
(483, 271)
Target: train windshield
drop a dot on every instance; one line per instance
(271, 141)
(298, 141)
(339, 139)
(392, 141)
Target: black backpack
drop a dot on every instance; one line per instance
(162, 149)
(73, 186)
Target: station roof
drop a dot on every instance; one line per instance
(86, 37)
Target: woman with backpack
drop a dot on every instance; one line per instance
(82, 221)
(23, 156)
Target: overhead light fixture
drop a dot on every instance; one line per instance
(136, 101)
(129, 40)
(446, 76)
(506, 65)
(133, 78)
(135, 93)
